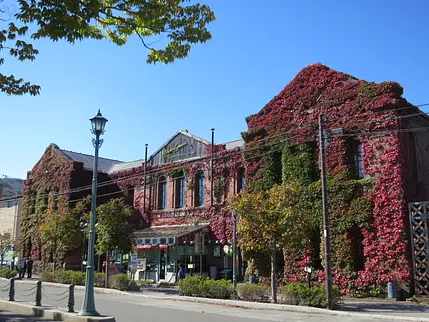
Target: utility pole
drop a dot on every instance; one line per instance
(211, 170)
(144, 175)
(234, 250)
(326, 235)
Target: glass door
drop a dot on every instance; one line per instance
(162, 259)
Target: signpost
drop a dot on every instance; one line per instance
(133, 265)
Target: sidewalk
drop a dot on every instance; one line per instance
(369, 308)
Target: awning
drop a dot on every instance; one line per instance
(144, 246)
(168, 231)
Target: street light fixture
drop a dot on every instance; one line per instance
(98, 123)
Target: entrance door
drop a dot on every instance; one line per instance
(162, 259)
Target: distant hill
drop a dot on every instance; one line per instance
(11, 186)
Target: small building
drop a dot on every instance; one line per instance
(60, 179)
(10, 216)
(183, 199)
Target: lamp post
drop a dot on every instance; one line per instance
(98, 123)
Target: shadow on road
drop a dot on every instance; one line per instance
(160, 290)
(6, 316)
(386, 307)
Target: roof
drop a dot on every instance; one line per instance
(125, 166)
(17, 197)
(184, 132)
(104, 164)
(167, 231)
(234, 144)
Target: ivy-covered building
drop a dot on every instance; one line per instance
(58, 181)
(377, 163)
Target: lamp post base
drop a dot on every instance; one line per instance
(88, 313)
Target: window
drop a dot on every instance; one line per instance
(180, 192)
(240, 180)
(357, 158)
(199, 189)
(162, 192)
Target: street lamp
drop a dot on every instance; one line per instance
(98, 123)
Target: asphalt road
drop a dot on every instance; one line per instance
(136, 308)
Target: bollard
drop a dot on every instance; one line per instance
(12, 289)
(70, 303)
(39, 293)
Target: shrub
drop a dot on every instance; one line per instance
(203, 287)
(252, 292)
(120, 282)
(98, 279)
(220, 289)
(46, 276)
(301, 294)
(193, 286)
(7, 273)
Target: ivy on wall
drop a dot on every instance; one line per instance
(370, 213)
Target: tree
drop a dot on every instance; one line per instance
(265, 219)
(59, 233)
(5, 245)
(113, 230)
(182, 23)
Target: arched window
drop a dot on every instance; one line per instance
(240, 180)
(199, 189)
(180, 192)
(162, 192)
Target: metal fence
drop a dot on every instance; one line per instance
(36, 290)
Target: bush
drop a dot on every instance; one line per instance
(220, 289)
(64, 277)
(46, 276)
(193, 286)
(120, 282)
(252, 292)
(7, 273)
(203, 287)
(98, 279)
(301, 294)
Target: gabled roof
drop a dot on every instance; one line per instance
(104, 165)
(125, 166)
(184, 132)
(234, 144)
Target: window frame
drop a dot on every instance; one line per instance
(241, 183)
(358, 159)
(199, 188)
(162, 192)
(179, 191)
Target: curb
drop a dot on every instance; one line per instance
(249, 305)
(51, 314)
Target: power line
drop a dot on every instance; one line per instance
(232, 154)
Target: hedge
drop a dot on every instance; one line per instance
(7, 273)
(302, 294)
(201, 286)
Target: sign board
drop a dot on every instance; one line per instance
(308, 269)
(227, 249)
(190, 265)
(133, 261)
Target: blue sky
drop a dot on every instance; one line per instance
(257, 48)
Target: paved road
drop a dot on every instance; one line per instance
(135, 308)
